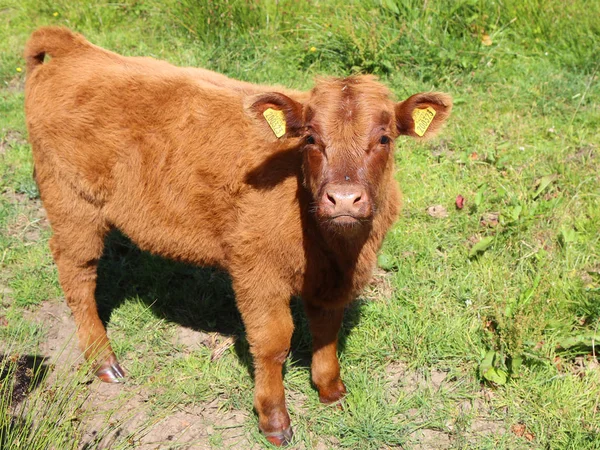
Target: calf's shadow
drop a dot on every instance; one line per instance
(199, 298)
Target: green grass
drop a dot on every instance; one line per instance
(522, 143)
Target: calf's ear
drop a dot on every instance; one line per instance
(422, 115)
(276, 114)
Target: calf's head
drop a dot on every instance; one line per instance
(346, 130)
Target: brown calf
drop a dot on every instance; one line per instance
(185, 163)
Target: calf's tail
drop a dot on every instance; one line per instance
(53, 41)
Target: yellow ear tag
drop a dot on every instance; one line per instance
(422, 119)
(276, 120)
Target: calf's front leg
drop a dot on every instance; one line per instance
(325, 368)
(269, 326)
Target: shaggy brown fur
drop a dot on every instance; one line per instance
(183, 162)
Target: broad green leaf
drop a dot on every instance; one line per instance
(586, 340)
(515, 365)
(495, 375)
(386, 262)
(510, 307)
(479, 195)
(390, 5)
(481, 246)
(568, 235)
(544, 183)
(487, 363)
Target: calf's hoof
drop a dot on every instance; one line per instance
(333, 393)
(110, 371)
(279, 438)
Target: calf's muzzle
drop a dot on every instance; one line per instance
(345, 204)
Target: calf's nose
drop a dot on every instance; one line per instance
(345, 200)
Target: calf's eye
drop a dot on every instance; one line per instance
(310, 140)
(384, 140)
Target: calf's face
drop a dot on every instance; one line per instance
(346, 131)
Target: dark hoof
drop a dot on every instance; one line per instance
(110, 371)
(280, 438)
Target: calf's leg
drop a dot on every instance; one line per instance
(77, 275)
(77, 244)
(269, 327)
(325, 368)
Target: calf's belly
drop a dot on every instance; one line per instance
(193, 236)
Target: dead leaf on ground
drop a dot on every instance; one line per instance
(593, 364)
(487, 394)
(594, 270)
(220, 349)
(582, 155)
(583, 365)
(520, 430)
(529, 436)
(489, 219)
(489, 325)
(437, 211)
(558, 363)
(460, 202)
(550, 195)
(486, 40)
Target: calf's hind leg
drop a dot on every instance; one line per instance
(77, 244)
(77, 275)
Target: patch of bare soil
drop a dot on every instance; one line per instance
(427, 439)
(481, 427)
(116, 412)
(402, 381)
(405, 382)
(113, 413)
(409, 381)
(16, 84)
(10, 138)
(380, 287)
(60, 345)
(27, 229)
(190, 340)
(583, 155)
(32, 219)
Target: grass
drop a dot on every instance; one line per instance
(43, 406)
(480, 332)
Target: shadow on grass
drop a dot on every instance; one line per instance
(23, 373)
(199, 298)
